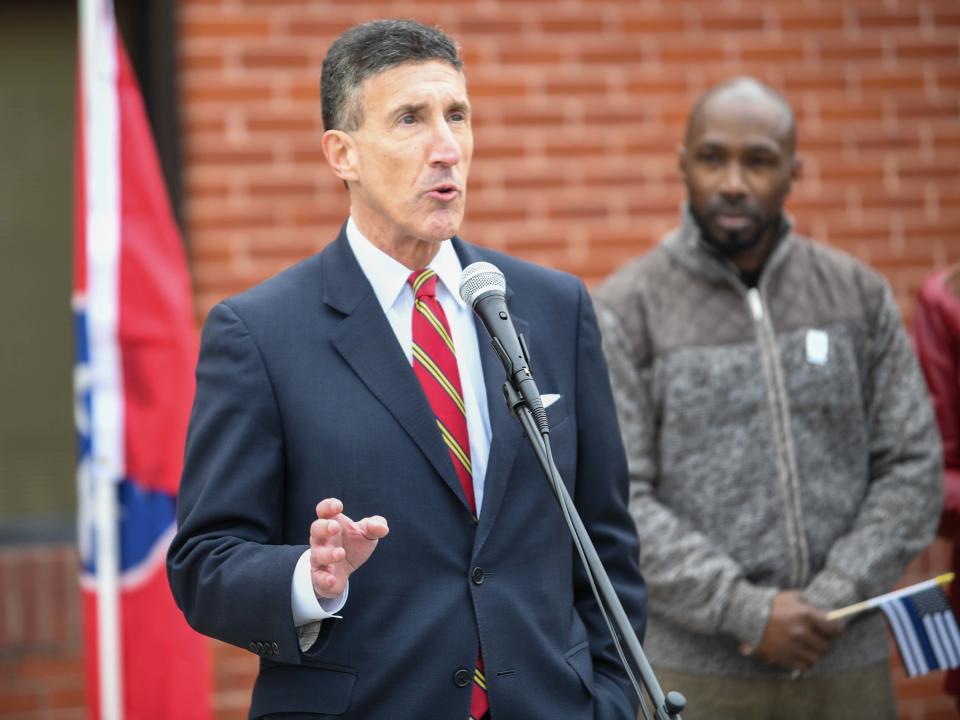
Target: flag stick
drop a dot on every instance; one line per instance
(102, 232)
(875, 602)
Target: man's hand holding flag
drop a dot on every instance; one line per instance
(922, 623)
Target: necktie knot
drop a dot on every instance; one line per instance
(424, 283)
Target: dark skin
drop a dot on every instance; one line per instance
(738, 162)
(797, 633)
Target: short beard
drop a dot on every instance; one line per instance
(734, 242)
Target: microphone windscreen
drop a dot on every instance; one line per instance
(480, 278)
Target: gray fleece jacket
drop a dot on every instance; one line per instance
(778, 438)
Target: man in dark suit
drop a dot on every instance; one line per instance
(360, 376)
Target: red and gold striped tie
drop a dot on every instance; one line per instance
(435, 365)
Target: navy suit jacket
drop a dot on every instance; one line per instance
(303, 393)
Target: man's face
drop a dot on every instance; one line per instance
(411, 154)
(738, 165)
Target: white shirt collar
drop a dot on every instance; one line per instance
(388, 277)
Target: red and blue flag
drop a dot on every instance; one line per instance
(135, 347)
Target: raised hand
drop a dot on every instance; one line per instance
(338, 546)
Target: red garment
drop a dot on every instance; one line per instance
(936, 335)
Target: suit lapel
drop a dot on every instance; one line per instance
(506, 433)
(364, 339)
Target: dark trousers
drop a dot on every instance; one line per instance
(862, 694)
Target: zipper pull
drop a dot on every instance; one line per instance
(755, 303)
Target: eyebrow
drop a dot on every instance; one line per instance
(416, 107)
(750, 147)
(407, 108)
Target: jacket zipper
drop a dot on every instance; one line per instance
(783, 441)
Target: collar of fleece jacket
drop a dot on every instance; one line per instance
(689, 247)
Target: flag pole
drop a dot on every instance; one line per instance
(875, 602)
(99, 107)
(108, 606)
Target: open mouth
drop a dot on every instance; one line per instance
(444, 192)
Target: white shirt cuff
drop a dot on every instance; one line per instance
(307, 608)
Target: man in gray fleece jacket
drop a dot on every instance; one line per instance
(783, 455)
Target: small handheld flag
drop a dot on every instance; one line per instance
(922, 623)
(925, 630)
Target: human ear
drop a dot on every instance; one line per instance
(340, 152)
(682, 161)
(796, 171)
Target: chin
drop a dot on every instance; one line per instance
(439, 229)
(733, 242)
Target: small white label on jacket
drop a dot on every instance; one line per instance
(818, 347)
(756, 303)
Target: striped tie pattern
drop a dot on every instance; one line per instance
(435, 365)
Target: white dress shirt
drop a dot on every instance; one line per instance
(388, 277)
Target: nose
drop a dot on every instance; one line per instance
(444, 150)
(732, 184)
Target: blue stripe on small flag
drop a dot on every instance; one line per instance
(925, 630)
(921, 631)
(903, 634)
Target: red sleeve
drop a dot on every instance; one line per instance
(936, 335)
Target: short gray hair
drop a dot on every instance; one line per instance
(371, 48)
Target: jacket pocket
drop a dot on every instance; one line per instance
(578, 657)
(324, 690)
(557, 412)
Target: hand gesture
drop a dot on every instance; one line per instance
(797, 633)
(338, 546)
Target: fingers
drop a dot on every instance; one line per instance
(826, 628)
(324, 555)
(326, 528)
(326, 558)
(325, 532)
(373, 527)
(794, 654)
(329, 508)
(816, 618)
(327, 584)
(338, 546)
(812, 643)
(804, 659)
(797, 633)
(816, 633)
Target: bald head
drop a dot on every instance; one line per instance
(738, 161)
(748, 95)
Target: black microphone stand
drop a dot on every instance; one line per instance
(666, 707)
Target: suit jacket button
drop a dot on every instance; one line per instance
(261, 649)
(253, 647)
(462, 677)
(275, 649)
(478, 576)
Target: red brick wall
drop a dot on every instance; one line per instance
(41, 669)
(579, 105)
(41, 643)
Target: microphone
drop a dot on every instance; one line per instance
(484, 288)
